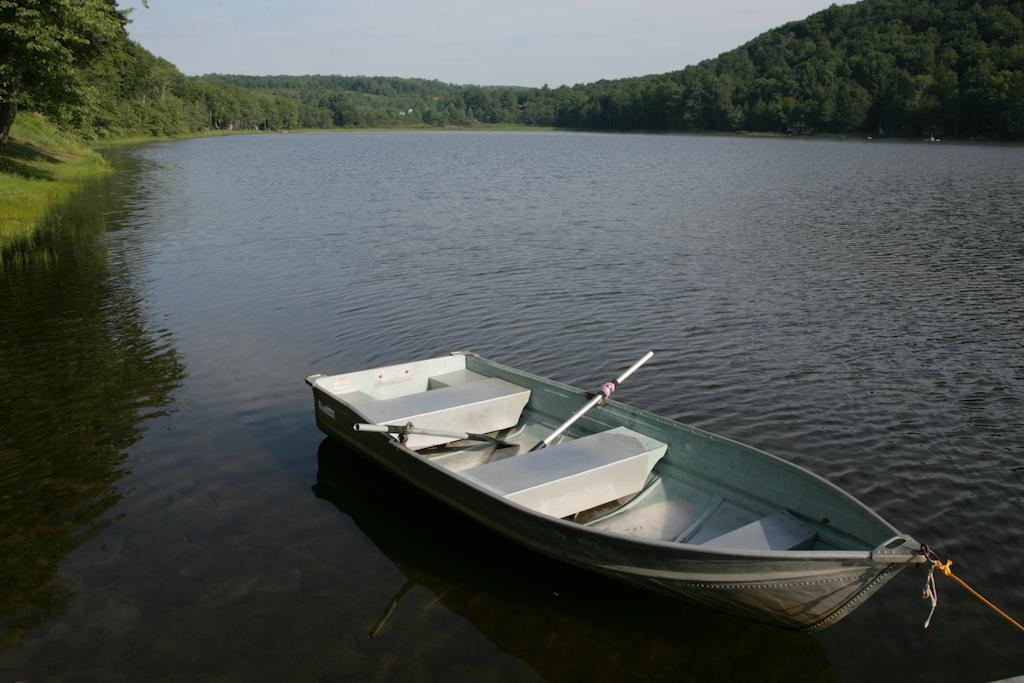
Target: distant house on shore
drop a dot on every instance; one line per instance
(799, 128)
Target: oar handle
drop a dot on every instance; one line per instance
(383, 429)
(603, 393)
(634, 367)
(405, 430)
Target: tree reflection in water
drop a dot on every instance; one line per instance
(80, 373)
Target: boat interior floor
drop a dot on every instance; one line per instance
(648, 503)
(612, 480)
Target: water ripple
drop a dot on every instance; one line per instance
(855, 307)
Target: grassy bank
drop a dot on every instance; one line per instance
(39, 167)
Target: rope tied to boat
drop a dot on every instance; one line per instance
(931, 593)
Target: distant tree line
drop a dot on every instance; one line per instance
(379, 101)
(902, 67)
(897, 66)
(135, 92)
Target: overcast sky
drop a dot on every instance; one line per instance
(514, 42)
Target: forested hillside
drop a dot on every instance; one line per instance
(896, 66)
(138, 93)
(903, 67)
(900, 67)
(362, 101)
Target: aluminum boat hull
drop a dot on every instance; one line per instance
(801, 589)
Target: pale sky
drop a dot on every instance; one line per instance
(517, 42)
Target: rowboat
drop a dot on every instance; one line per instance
(618, 490)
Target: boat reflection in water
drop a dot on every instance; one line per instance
(565, 622)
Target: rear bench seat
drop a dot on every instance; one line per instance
(778, 531)
(574, 475)
(481, 405)
(450, 379)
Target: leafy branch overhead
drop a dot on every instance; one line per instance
(45, 49)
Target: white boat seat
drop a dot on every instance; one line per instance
(450, 379)
(778, 531)
(576, 475)
(481, 406)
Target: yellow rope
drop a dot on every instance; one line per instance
(946, 569)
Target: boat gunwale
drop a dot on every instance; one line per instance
(860, 556)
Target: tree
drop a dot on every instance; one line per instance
(44, 45)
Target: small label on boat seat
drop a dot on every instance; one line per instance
(393, 374)
(325, 409)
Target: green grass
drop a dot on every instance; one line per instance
(39, 167)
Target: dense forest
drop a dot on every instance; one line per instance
(890, 66)
(897, 67)
(73, 61)
(367, 101)
(901, 67)
(138, 93)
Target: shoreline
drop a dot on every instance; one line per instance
(140, 139)
(42, 166)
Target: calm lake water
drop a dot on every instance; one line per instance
(168, 509)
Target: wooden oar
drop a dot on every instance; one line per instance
(602, 394)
